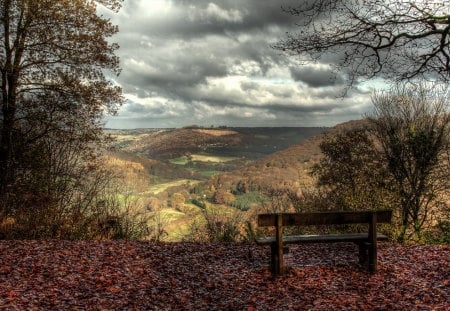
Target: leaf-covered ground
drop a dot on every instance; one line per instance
(118, 275)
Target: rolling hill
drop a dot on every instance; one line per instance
(289, 167)
(252, 143)
(254, 158)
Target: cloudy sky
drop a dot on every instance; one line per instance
(211, 62)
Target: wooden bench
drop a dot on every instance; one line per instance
(367, 241)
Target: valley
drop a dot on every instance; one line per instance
(182, 180)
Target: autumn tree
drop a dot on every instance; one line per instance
(222, 196)
(400, 40)
(53, 59)
(177, 201)
(412, 125)
(352, 171)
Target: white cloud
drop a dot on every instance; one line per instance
(214, 13)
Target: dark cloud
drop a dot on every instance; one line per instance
(211, 62)
(193, 19)
(316, 76)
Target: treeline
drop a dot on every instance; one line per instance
(397, 158)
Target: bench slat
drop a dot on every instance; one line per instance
(324, 218)
(315, 238)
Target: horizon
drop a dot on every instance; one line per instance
(210, 127)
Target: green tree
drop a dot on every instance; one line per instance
(394, 39)
(412, 125)
(53, 55)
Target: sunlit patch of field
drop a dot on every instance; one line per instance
(202, 158)
(179, 161)
(155, 189)
(129, 137)
(212, 158)
(171, 214)
(125, 198)
(179, 224)
(215, 132)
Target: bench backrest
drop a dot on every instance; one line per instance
(325, 218)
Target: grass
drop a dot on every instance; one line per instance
(179, 161)
(179, 223)
(172, 214)
(210, 173)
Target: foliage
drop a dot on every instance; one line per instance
(198, 203)
(398, 161)
(216, 224)
(393, 39)
(222, 196)
(53, 55)
(221, 226)
(412, 125)
(135, 222)
(438, 234)
(246, 200)
(352, 172)
(177, 201)
(120, 275)
(52, 206)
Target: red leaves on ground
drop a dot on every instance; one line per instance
(118, 275)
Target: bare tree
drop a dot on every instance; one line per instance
(412, 125)
(398, 40)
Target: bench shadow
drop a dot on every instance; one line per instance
(314, 254)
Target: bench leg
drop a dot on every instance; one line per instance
(373, 243)
(277, 248)
(274, 262)
(363, 255)
(368, 255)
(373, 257)
(277, 265)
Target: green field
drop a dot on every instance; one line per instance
(210, 173)
(178, 223)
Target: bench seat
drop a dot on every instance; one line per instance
(320, 238)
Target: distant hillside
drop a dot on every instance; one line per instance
(182, 171)
(288, 168)
(251, 143)
(149, 169)
(264, 158)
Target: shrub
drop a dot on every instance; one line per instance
(246, 200)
